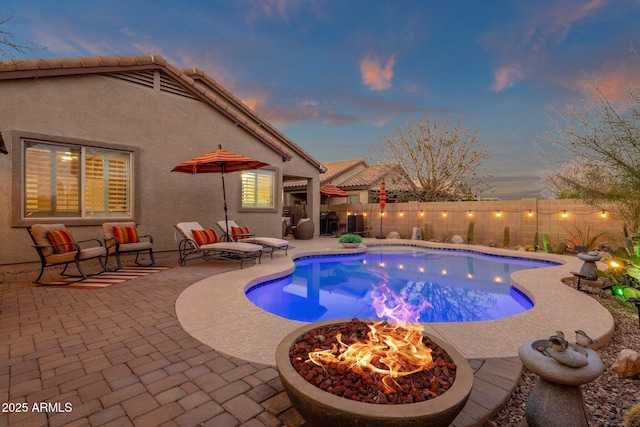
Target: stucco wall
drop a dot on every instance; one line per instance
(546, 217)
(166, 128)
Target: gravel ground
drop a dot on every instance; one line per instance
(607, 398)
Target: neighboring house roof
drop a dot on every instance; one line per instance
(332, 171)
(373, 175)
(209, 91)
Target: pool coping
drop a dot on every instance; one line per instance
(216, 311)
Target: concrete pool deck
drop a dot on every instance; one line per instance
(216, 311)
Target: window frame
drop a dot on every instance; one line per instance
(19, 143)
(275, 188)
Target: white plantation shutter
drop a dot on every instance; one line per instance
(51, 181)
(56, 185)
(257, 189)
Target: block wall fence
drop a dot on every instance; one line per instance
(524, 217)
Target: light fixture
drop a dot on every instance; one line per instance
(401, 213)
(564, 213)
(444, 214)
(422, 213)
(470, 213)
(603, 214)
(530, 214)
(499, 214)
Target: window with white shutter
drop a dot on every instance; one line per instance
(73, 181)
(257, 189)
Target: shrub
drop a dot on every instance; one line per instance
(350, 238)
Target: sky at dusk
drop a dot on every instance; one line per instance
(336, 76)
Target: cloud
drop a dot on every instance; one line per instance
(376, 76)
(525, 46)
(280, 9)
(613, 84)
(507, 76)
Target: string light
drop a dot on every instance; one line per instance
(444, 214)
(564, 213)
(530, 214)
(470, 214)
(498, 214)
(422, 213)
(401, 213)
(603, 214)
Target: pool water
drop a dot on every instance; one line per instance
(403, 283)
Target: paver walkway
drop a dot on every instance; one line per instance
(118, 357)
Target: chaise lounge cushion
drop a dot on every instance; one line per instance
(244, 234)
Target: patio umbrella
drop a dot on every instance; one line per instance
(331, 190)
(220, 161)
(383, 203)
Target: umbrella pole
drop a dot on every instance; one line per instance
(224, 198)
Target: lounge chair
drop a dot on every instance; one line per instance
(56, 246)
(243, 234)
(200, 243)
(123, 237)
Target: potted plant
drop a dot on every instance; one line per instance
(350, 240)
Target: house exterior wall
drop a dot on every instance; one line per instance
(546, 218)
(163, 128)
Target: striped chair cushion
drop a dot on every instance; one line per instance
(62, 239)
(240, 232)
(205, 237)
(127, 234)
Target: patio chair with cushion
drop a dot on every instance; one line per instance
(56, 246)
(200, 243)
(122, 238)
(243, 234)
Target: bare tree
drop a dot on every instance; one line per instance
(7, 46)
(570, 179)
(444, 158)
(598, 132)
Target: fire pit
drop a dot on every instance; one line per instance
(364, 392)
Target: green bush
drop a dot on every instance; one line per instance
(350, 238)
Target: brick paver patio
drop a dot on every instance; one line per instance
(118, 356)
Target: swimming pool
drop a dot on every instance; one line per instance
(398, 283)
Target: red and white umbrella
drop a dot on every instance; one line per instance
(220, 161)
(331, 190)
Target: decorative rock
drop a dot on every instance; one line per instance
(457, 239)
(627, 364)
(393, 235)
(417, 234)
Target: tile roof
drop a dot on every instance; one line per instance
(337, 168)
(371, 176)
(212, 92)
(332, 170)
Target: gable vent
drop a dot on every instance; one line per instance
(144, 78)
(169, 85)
